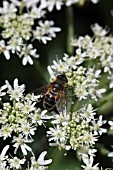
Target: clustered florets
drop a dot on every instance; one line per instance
(18, 29)
(86, 80)
(19, 119)
(76, 130)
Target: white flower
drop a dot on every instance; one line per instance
(70, 61)
(8, 9)
(98, 30)
(80, 91)
(28, 106)
(30, 3)
(33, 97)
(16, 162)
(45, 31)
(7, 33)
(18, 28)
(39, 117)
(26, 3)
(26, 53)
(56, 134)
(95, 93)
(92, 76)
(26, 128)
(17, 91)
(88, 113)
(60, 66)
(4, 49)
(110, 78)
(48, 29)
(20, 141)
(52, 3)
(97, 126)
(40, 35)
(89, 138)
(107, 63)
(86, 150)
(6, 131)
(37, 12)
(1, 90)
(79, 56)
(40, 163)
(3, 157)
(15, 44)
(89, 163)
(61, 119)
(51, 72)
(93, 52)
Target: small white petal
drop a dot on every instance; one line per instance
(42, 155)
(23, 150)
(110, 154)
(4, 150)
(15, 83)
(7, 55)
(3, 87)
(24, 61)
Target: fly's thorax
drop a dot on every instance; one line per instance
(58, 85)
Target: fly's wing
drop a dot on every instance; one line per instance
(40, 91)
(64, 104)
(38, 95)
(61, 105)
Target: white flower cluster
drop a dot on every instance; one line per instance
(98, 49)
(19, 28)
(7, 163)
(77, 130)
(59, 3)
(19, 120)
(85, 82)
(84, 70)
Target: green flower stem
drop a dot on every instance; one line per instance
(21, 8)
(70, 29)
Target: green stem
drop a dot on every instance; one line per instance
(70, 29)
(21, 8)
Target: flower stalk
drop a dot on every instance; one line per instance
(70, 29)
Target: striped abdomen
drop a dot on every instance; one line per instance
(50, 99)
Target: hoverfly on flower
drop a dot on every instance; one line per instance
(54, 93)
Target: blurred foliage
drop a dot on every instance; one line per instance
(37, 75)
